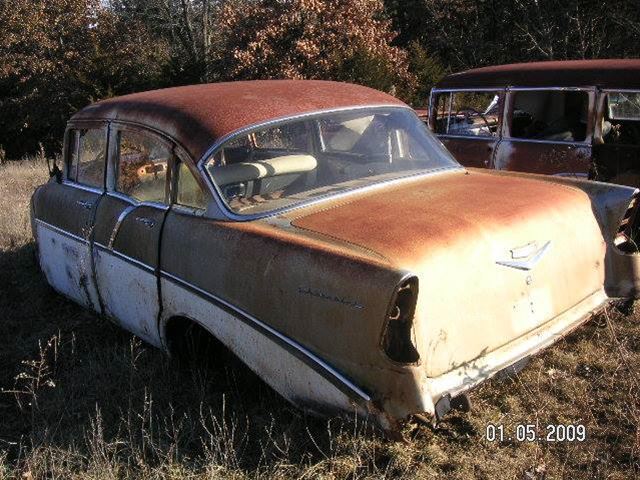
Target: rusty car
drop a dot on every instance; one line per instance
(324, 236)
(578, 118)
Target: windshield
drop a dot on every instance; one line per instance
(299, 160)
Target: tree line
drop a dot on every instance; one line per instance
(56, 56)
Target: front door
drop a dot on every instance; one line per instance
(468, 123)
(129, 222)
(547, 131)
(64, 214)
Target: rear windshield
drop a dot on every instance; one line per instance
(299, 160)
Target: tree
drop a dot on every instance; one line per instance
(59, 55)
(322, 39)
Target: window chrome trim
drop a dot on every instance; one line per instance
(231, 215)
(495, 138)
(619, 90)
(61, 231)
(80, 186)
(261, 326)
(137, 203)
(469, 89)
(562, 89)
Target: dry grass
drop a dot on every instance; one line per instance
(83, 399)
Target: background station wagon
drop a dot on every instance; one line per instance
(579, 118)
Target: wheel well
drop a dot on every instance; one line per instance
(187, 340)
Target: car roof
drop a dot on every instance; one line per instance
(569, 73)
(196, 116)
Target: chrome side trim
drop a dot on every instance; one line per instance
(116, 227)
(61, 231)
(309, 356)
(124, 257)
(79, 186)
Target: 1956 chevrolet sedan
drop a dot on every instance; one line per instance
(320, 232)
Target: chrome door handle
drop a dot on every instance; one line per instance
(84, 204)
(147, 222)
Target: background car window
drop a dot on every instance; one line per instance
(552, 115)
(472, 113)
(87, 149)
(621, 122)
(189, 192)
(142, 166)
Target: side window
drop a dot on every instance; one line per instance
(87, 150)
(189, 192)
(469, 113)
(621, 122)
(553, 115)
(142, 166)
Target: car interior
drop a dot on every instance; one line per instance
(553, 115)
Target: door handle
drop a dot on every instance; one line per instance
(147, 222)
(84, 204)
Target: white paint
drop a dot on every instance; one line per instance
(129, 294)
(66, 263)
(291, 377)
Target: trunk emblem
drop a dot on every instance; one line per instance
(526, 257)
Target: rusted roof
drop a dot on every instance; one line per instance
(569, 73)
(198, 115)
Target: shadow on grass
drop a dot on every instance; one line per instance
(72, 381)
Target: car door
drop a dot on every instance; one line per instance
(547, 131)
(129, 223)
(64, 214)
(468, 123)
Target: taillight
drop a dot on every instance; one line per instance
(625, 238)
(397, 341)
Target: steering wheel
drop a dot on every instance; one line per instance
(466, 114)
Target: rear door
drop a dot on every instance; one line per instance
(548, 131)
(64, 215)
(468, 122)
(129, 223)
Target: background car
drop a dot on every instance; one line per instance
(579, 118)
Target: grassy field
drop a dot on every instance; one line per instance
(83, 399)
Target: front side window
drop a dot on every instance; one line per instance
(142, 166)
(87, 153)
(552, 115)
(470, 114)
(302, 159)
(621, 122)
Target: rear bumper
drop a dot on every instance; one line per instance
(480, 369)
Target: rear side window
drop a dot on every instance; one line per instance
(142, 166)
(552, 115)
(189, 193)
(471, 114)
(87, 153)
